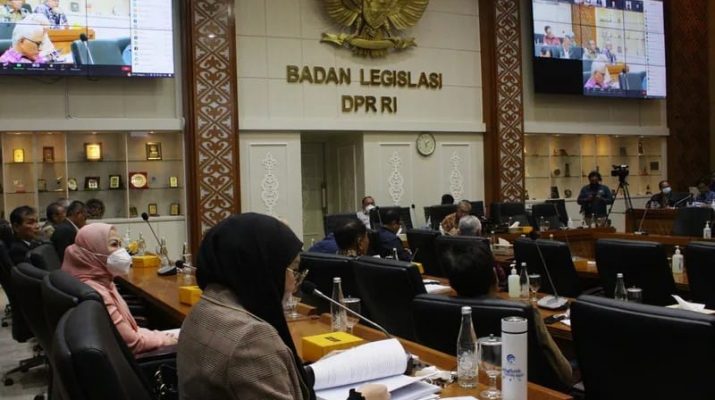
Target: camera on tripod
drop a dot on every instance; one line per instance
(621, 171)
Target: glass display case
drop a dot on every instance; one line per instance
(557, 166)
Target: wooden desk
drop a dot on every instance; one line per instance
(63, 38)
(163, 292)
(658, 221)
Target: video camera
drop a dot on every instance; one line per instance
(621, 171)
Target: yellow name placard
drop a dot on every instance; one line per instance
(317, 346)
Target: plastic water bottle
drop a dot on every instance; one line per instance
(570, 224)
(514, 358)
(620, 292)
(513, 283)
(338, 318)
(467, 351)
(707, 232)
(677, 261)
(394, 253)
(524, 282)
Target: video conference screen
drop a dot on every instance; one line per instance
(608, 48)
(87, 37)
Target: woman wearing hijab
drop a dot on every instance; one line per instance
(95, 258)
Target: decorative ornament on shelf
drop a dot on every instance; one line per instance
(138, 180)
(93, 151)
(95, 209)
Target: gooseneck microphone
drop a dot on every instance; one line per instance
(554, 302)
(83, 37)
(681, 201)
(145, 217)
(640, 230)
(309, 287)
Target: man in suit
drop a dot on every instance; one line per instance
(66, 231)
(388, 241)
(664, 198)
(567, 50)
(26, 232)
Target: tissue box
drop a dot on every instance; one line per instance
(189, 295)
(146, 261)
(315, 347)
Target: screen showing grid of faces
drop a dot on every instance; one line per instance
(87, 37)
(617, 47)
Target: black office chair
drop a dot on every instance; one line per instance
(557, 257)
(690, 221)
(699, 258)
(502, 213)
(387, 288)
(61, 292)
(422, 245)
(460, 244)
(333, 221)
(477, 209)
(636, 351)
(378, 214)
(643, 264)
(436, 214)
(45, 257)
(432, 311)
(548, 212)
(374, 247)
(103, 52)
(89, 358)
(560, 210)
(322, 269)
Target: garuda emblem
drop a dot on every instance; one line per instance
(372, 23)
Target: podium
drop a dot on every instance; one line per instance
(658, 221)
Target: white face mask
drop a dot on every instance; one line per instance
(667, 190)
(118, 262)
(369, 208)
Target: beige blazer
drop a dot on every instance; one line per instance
(225, 352)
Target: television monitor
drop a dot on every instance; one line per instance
(604, 48)
(87, 38)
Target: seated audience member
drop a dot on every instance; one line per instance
(450, 223)
(447, 199)
(549, 38)
(26, 233)
(389, 242)
(352, 239)
(594, 197)
(591, 51)
(471, 274)
(13, 11)
(66, 230)
(55, 215)
(47, 48)
(96, 257)
(567, 50)
(327, 245)
(26, 41)
(609, 54)
(6, 233)
(469, 225)
(705, 195)
(51, 10)
(662, 199)
(600, 78)
(545, 52)
(368, 203)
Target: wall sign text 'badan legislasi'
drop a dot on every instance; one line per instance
(384, 78)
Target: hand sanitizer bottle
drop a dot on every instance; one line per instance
(707, 232)
(513, 283)
(570, 224)
(677, 261)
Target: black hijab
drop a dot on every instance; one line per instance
(249, 254)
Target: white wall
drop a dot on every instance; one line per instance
(544, 113)
(395, 174)
(275, 33)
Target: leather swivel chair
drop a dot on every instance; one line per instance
(45, 257)
(560, 205)
(433, 310)
(387, 288)
(548, 212)
(699, 257)
(557, 257)
(643, 264)
(436, 214)
(334, 221)
(61, 292)
(636, 351)
(477, 209)
(458, 244)
(502, 213)
(27, 282)
(377, 215)
(89, 358)
(690, 221)
(322, 269)
(422, 245)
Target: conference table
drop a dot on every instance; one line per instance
(162, 292)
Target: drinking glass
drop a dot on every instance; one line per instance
(634, 294)
(489, 355)
(291, 303)
(352, 303)
(544, 225)
(534, 285)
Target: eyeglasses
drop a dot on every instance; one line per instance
(298, 276)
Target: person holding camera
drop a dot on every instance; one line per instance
(595, 197)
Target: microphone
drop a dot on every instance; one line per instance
(679, 202)
(83, 37)
(640, 230)
(554, 302)
(309, 287)
(145, 217)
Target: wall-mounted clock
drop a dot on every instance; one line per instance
(426, 144)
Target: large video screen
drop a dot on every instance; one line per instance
(608, 48)
(87, 37)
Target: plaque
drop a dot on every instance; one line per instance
(72, 184)
(174, 209)
(173, 181)
(91, 183)
(153, 209)
(18, 155)
(115, 182)
(48, 154)
(41, 185)
(93, 151)
(138, 180)
(133, 212)
(153, 151)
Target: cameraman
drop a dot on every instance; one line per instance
(594, 197)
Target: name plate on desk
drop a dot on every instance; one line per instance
(146, 261)
(317, 346)
(189, 295)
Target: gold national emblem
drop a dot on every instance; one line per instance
(372, 23)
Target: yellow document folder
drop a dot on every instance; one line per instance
(315, 347)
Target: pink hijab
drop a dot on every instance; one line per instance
(86, 260)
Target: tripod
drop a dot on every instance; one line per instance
(622, 187)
